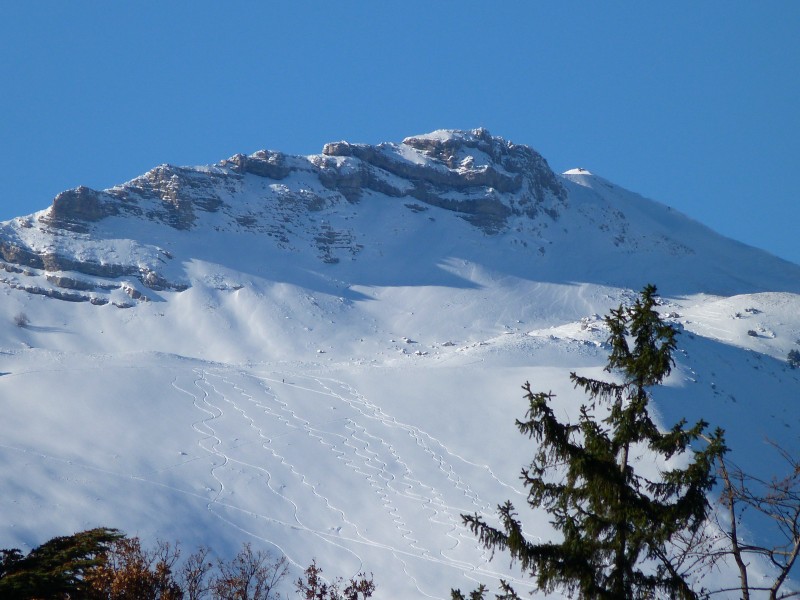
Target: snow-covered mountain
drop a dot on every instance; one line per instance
(323, 354)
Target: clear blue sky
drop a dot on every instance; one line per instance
(694, 104)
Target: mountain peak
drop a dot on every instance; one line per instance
(494, 178)
(445, 193)
(452, 146)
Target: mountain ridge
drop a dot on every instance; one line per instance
(297, 203)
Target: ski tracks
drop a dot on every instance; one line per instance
(273, 449)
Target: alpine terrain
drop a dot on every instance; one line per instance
(323, 355)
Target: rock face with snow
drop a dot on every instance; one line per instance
(322, 354)
(495, 178)
(481, 177)
(327, 202)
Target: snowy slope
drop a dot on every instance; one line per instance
(323, 355)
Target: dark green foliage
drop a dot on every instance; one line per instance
(57, 568)
(507, 593)
(793, 358)
(476, 594)
(612, 519)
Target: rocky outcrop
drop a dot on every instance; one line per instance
(481, 166)
(379, 157)
(57, 294)
(519, 160)
(156, 282)
(329, 240)
(52, 263)
(264, 163)
(70, 283)
(178, 192)
(16, 254)
(48, 261)
(74, 208)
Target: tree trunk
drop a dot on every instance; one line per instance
(735, 549)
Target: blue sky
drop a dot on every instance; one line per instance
(692, 104)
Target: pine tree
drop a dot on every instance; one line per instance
(611, 518)
(57, 568)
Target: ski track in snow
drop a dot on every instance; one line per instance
(205, 428)
(366, 441)
(706, 315)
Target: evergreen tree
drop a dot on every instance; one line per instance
(611, 518)
(57, 568)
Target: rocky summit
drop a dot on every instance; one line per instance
(114, 245)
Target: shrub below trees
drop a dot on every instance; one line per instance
(251, 575)
(313, 587)
(129, 572)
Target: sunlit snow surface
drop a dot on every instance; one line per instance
(351, 413)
